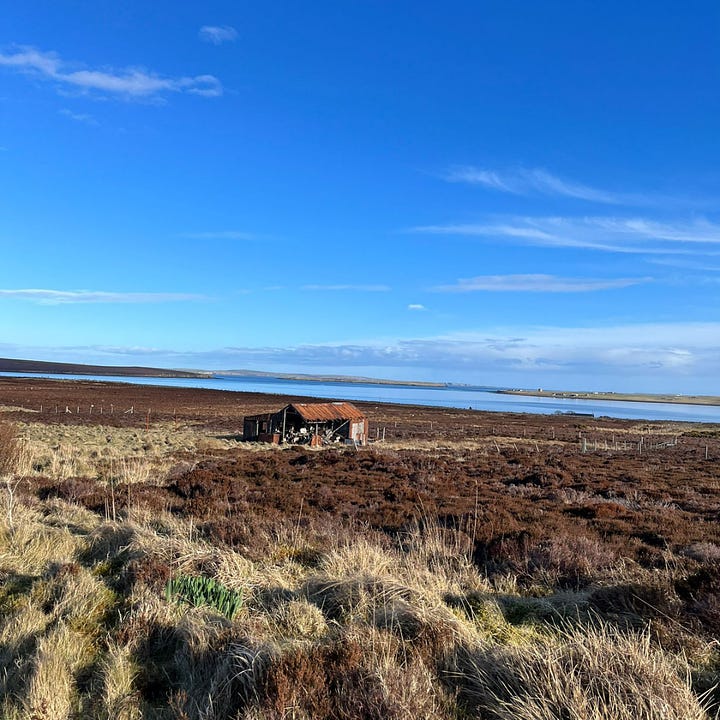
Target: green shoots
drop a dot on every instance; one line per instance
(198, 590)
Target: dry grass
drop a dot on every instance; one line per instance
(583, 673)
(35, 545)
(368, 631)
(368, 625)
(129, 454)
(9, 450)
(20, 629)
(120, 698)
(482, 445)
(52, 689)
(363, 674)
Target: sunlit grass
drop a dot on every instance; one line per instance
(365, 625)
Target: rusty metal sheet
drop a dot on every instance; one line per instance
(317, 412)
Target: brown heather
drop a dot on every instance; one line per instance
(441, 581)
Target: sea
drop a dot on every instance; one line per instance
(483, 398)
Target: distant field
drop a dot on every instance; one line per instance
(627, 397)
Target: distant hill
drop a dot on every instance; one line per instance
(303, 377)
(56, 368)
(39, 366)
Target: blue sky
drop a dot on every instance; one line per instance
(503, 193)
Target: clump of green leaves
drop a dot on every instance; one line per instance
(198, 590)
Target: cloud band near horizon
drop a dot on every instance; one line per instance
(682, 350)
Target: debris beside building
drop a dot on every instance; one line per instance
(311, 424)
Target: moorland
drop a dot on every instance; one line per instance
(463, 565)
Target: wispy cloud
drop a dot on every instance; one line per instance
(683, 264)
(79, 117)
(609, 234)
(527, 181)
(698, 231)
(537, 283)
(128, 84)
(68, 297)
(217, 35)
(341, 288)
(477, 176)
(416, 307)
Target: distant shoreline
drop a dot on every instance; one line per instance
(299, 377)
(56, 368)
(620, 397)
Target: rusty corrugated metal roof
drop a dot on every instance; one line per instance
(315, 412)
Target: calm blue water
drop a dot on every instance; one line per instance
(477, 398)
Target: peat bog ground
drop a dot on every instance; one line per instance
(426, 575)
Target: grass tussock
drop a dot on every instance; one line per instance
(358, 633)
(52, 688)
(590, 673)
(435, 621)
(19, 634)
(33, 545)
(120, 699)
(361, 673)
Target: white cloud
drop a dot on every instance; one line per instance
(668, 346)
(28, 58)
(527, 181)
(78, 117)
(537, 283)
(356, 288)
(671, 346)
(217, 35)
(664, 349)
(608, 234)
(416, 307)
(652, 357)
(477, 176)
(698, 231)
(685, 264)
(128, 84)
(67, 297)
